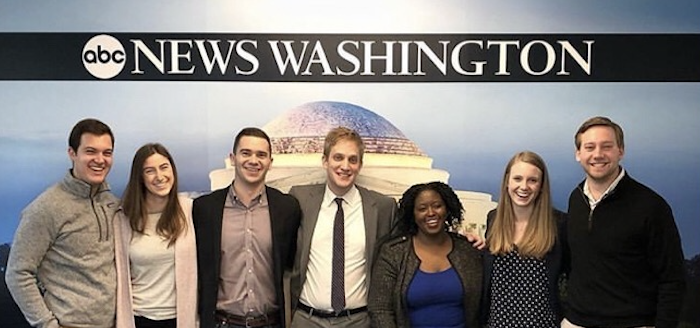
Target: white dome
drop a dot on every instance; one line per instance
(303, 129)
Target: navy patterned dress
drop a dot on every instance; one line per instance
(520, 293)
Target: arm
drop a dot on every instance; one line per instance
(476, 240)
(381, 303)
(563, 235)
(295, 220)
(666, 257)
(33, 238)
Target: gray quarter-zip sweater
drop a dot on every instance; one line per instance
(61, 269)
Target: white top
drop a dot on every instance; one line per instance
(316, 291)
(152, 273)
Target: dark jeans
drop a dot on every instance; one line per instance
(142, 322)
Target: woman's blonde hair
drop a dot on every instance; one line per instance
(540, 234)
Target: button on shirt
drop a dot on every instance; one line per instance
(246, 285)
(316, 291)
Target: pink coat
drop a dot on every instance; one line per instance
(185, 271)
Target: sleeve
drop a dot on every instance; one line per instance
(666, 257)
(295, 221)
(564, 242)
(394, 214)
(34, 236)
(381, 302)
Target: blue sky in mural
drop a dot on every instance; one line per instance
(471, 131)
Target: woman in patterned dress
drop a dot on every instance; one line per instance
(525, 249)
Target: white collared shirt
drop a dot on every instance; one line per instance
(592, 202)
(316, 291)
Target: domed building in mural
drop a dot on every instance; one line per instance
(392, 162)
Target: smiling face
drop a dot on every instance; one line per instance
(524, 184)
(252, 160)
(342, 165)
(599, 154)
(93, 158)
(430, 212)
(158, 176)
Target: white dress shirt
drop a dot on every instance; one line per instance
(316, 291)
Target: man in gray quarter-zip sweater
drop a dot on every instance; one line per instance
(61, 268)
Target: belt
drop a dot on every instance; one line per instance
(329, 314)
(268, 319)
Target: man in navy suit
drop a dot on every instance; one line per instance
(367, 216)
(246, 238)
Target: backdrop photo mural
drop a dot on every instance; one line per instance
(445, 90)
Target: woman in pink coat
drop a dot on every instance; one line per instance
(155, 247)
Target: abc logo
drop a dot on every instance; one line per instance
(104, 56)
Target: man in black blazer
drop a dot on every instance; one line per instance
(246, 238)
(367, 215)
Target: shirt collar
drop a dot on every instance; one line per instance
(351, 197)
(259, 199)
(587, 191)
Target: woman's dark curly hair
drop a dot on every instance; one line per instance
(406, 223)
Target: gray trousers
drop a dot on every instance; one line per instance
(301, 319)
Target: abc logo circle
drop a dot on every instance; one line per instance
(104, 56)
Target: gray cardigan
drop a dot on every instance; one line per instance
(395, 267)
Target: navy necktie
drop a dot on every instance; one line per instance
(338, 273)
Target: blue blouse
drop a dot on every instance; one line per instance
(435, 300)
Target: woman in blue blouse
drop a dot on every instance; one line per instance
(424, 275)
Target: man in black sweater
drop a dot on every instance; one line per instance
(626, 255)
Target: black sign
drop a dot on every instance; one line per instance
(351, 57)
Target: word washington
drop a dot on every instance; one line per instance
(331, 56)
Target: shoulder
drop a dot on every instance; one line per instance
(185, 202)
(491, 216)
(640, 189)
(645, 199)
(464, 248)
(50, 201)
(211, 196)
(561, 219)
(376, 196)
(559, 216)
(276, 195)
(461, 241)
(274, 192)
(108, 196)
(395, 243)
(393, 249)
(301, 190)
(184, 198)
(577, 191)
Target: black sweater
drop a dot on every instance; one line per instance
(626, 259)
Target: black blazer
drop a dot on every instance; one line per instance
(207, 214)
(556, 262)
